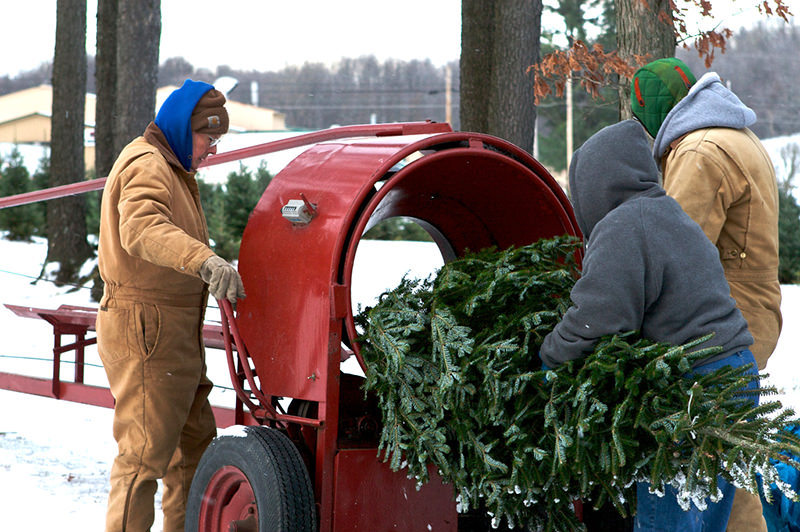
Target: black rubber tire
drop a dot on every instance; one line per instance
(268, 461)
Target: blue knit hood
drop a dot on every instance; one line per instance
(175, 117)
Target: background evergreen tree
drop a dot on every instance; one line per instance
(263, 178)
(789, 234)
(24, 221)
(41, 180)
(93, 207)
(399, 228)
(789, 215)
(228, 208)
(213, 206)
(242, 192)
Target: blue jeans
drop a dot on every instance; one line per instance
(663, 514)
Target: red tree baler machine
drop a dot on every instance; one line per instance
(307, 459)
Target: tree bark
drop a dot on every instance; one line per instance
(106, 86)
(66, 218)
(138, 39)
(477, 45)
(644, 27)
(499, 41)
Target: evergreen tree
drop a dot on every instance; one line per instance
(211, 196)
(228, 208)
(263, 178)
(93, 200)
(41, 180)
(241, 196)
(789, 237)
(399, 228)
(24, 221)
(242, 192)
(787, 169)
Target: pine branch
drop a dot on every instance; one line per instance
(454, 365)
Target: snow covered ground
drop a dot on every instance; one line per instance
(55, 456)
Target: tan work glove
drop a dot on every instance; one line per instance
(223, 280)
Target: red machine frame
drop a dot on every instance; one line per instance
(288, 338)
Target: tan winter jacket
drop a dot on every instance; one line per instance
(155, 254)
(724, 179)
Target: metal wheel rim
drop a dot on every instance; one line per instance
(228, 503)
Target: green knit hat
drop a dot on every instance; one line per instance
(656, 88)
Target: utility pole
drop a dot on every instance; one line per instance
(569, 119)
(448, 95)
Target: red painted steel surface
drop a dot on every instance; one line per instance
(52, 193)
(371, 497)
(471, 190)
(229, 498)
(371, 130)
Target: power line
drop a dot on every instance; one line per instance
(36, 279)
(359, 106)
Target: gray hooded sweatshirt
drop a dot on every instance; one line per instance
(648, 267)
(708, 104)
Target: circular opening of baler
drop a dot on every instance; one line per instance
(394, 249)
(468, 196)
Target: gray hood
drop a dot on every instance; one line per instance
(708, 104)
(613, 166)
(648, 267)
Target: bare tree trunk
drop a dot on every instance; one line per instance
(477, 46)
(512, 112)
(66, 218)
(138, 39)
(499, 41)
(106, 83)
(644, 28)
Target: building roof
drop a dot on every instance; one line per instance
(19, 108)
(36, 101)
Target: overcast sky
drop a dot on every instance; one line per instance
(260, 35)
(267, 35)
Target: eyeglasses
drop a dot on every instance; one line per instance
(213, 141)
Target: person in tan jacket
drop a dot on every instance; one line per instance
(722, 176)
(158, 269)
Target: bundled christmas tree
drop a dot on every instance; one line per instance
(453, 362)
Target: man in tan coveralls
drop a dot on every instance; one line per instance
(722, 176)
(158, 270)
